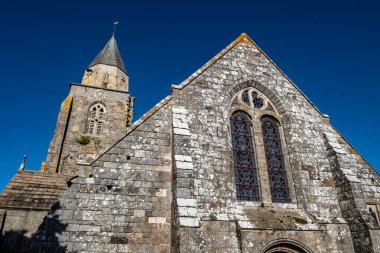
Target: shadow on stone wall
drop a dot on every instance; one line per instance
(15, 241)
(43, 241)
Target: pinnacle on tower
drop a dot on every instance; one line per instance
(110, 55)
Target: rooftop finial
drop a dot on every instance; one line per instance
(22, 166)
(114, 27)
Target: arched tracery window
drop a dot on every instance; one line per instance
(96, 119)
(247, 183)
(253, 114)
(275, 160)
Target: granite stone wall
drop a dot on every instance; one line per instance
(122, 202)
(206, 182)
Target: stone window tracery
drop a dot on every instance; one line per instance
(257, 101)
(245, 97)
(260, 170)
(96, 119)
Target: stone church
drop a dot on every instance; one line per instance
(235, 159)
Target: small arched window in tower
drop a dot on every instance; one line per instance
(96, 119)
(275, 160)
(247, 183)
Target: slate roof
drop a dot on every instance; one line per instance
(33, 190)
(110, 55)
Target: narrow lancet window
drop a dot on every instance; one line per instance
(96, 119)
(275, 160)
(247, 183)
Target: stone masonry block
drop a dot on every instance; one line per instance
(180, 125)
(186, 202)
(353, 178)
(180, 118)
(179, 110)
(89, 180)
(157, 220)
(180, 131)
(89, 228)
(187, 211)
(162, 193)
(188, 222)
(183, 192)
(139, 213)
(184, 165)
(183, 158)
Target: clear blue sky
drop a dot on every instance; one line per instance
(330, 49)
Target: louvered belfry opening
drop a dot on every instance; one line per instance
(96, 119)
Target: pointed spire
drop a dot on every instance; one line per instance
(110, 55)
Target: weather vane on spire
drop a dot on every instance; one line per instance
(114, 27)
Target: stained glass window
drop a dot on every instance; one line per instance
(244, 97)
(275, 161)
(247, 185)
(258, 102)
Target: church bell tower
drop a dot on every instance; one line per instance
(94, 114)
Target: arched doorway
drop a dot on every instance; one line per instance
(285, 246)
